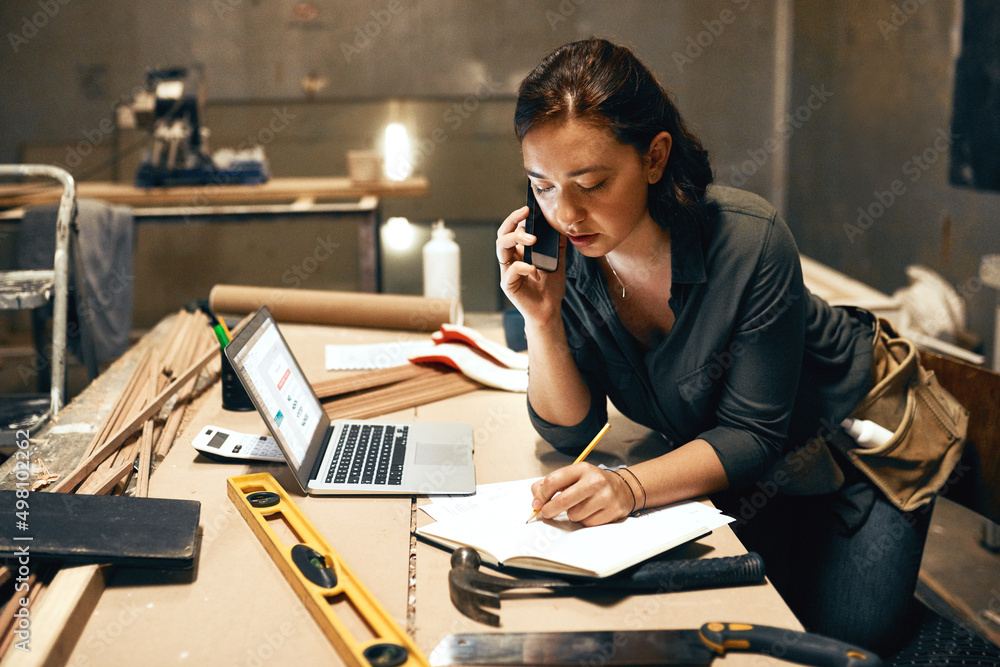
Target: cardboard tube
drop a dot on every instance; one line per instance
(353, 309)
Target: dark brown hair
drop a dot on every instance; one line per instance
(595, 80)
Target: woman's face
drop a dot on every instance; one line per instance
(590, 186)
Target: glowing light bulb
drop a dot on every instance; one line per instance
(398, 234)
(398, 162)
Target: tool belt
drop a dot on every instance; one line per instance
(928, 424)
(928, 430)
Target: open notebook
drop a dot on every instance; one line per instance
(493, 522)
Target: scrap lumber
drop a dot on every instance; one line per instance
(134, 428)
(89, 464)
(354, 382)
(145, 462)
(61, 616)
(37, 583)
(121, 407)
(427, 384)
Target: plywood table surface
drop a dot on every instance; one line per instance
(507, 448)
(236, 608)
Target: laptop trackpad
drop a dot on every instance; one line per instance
(435, 455)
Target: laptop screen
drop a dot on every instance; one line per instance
(281, 390)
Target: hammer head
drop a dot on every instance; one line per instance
(467, 597)
(472, 590)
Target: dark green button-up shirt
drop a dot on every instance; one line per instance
(755, 364)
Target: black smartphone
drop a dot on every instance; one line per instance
(545, 252)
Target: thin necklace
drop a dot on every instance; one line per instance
(612, 267)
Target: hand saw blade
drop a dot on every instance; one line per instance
(647, 647)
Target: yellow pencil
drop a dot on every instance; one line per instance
(582, 456)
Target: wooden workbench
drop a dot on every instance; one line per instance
(236, 608)
(320, 199)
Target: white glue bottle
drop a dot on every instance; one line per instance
(866, 433)
(442, 272)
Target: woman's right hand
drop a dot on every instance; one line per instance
(588, 494)
(535, 293)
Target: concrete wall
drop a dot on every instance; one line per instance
(812, 105)
(868, 179)
(447, 69)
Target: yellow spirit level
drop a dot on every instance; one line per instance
(320, 578)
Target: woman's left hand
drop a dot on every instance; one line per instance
(588, 494)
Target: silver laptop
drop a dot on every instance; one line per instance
(345, 456)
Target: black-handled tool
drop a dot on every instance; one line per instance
(666, 575)
(802, 647)
(473, 591)
(648, 647)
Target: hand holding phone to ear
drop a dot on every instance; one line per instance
(532, 279)
(544, 253)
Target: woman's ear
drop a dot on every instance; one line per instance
(656, 157)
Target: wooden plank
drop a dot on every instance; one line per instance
(276, 190)
(366, 380)
(978, 389)
(102, 481)
(60, 617)
(37, 585)
(13, 605)
(401, 395)
(145, 463)
(79, 589)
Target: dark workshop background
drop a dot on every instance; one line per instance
(823, 108)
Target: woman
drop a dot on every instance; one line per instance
(683, 304)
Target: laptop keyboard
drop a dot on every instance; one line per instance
(369, 454)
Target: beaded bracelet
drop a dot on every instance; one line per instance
(629, 487)
(640, 486)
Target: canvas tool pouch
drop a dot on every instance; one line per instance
(927, 423)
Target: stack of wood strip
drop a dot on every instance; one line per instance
(379, 392)
(135, 429)
(137, 433)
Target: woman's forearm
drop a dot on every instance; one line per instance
(556, 389)
(690, 471)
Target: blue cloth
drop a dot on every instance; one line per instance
(746, 329)
(102, 258)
